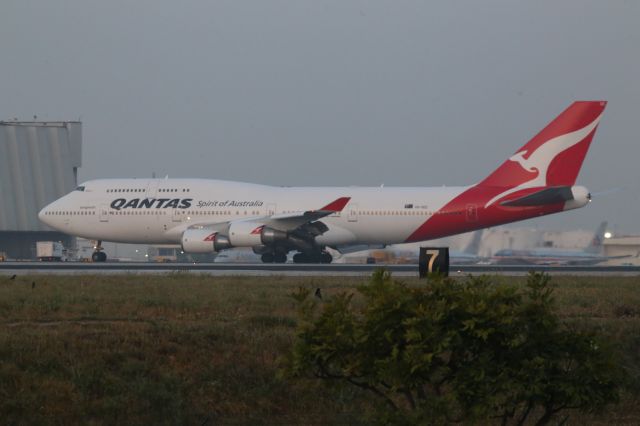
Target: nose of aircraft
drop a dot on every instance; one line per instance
(45, 216)
(42, 216)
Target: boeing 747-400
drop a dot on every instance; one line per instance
(203, 215)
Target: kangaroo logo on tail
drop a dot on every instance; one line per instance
(539, 160)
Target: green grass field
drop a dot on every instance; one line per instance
(196, 349)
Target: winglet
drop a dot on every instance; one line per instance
(337, 205)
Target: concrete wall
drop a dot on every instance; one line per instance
(38, 164)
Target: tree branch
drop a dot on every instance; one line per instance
(325, 374)
(526, 413)
(409, 396)
(374, 390)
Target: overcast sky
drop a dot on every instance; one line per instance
(330, 92)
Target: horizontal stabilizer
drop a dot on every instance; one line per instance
(553, 195)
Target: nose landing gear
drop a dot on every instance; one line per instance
(99, 255)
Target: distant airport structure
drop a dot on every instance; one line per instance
(626, 249)
(39, 163)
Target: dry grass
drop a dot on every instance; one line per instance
(196, 349)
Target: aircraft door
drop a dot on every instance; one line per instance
(104, 213)
(353, 213)
(152, 189)
(472, 213)
(177, 215)
(270, 209)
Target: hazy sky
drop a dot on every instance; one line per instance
(329, 92)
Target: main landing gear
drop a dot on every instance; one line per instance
(99, 255)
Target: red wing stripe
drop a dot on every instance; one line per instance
(337, 205)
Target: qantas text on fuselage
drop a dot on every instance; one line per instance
(203, 215)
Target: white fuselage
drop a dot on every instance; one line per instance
(158, 211)
(211, 215)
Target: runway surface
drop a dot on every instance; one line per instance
(7, 268)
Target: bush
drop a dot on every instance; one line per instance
(455, 351)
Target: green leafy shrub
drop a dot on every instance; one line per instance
(455, 351)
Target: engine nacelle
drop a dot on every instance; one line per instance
(252, 234)
(581, 198)
(238, 234)
(245, 234)
(271, 236)
(198, 240)
(203, 241)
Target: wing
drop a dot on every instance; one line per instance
(292, 221)
(287, 222)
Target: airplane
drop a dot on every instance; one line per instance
(590, 255)
(469, 254)
(203, 215)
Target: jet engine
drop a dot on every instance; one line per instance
(251, 234)
(204, 241)
(238, 234)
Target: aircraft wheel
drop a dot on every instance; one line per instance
(280, 258)
(267, 258)
(99, 256)
(325, 257)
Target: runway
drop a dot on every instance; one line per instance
(295, 269)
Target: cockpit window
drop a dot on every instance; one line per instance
(80, 188)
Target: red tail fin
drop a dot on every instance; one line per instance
(537, 180)
(554, 156)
